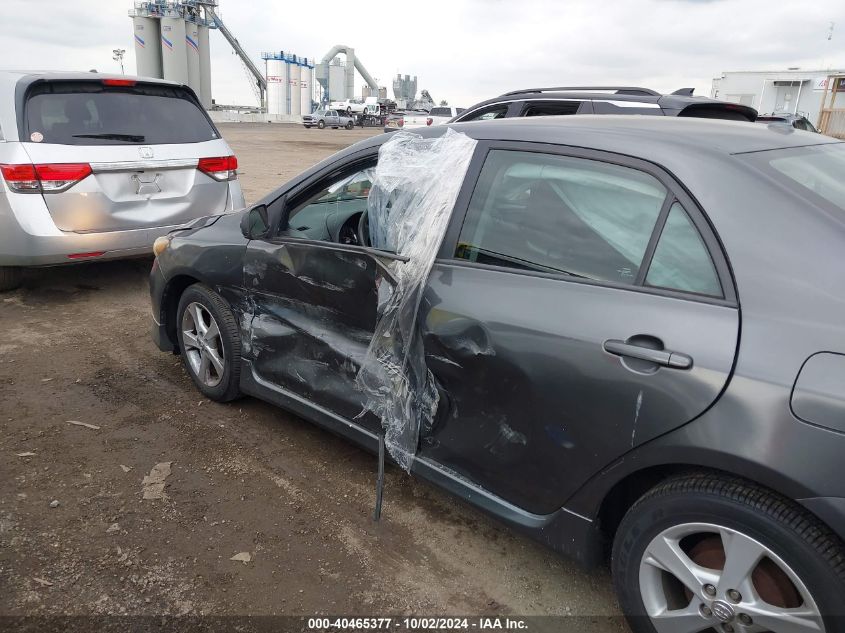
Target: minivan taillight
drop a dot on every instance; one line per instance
(220, 168)
(429, 121)
(44, 178)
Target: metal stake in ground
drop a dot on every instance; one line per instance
(380, 479)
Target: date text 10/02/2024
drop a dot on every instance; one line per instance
(414, 623)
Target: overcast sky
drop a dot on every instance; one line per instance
(462, 50)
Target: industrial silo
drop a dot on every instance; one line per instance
(147, 47)
(306, 84)
(192, 48)
(277, 86)
(174, 61)
(205, 67)
(295, 98)
(337, 81)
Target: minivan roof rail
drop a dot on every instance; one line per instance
(630, 90)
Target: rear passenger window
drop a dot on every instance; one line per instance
(626, 107)
(486, 114)
(681, 261)
(559, 214)
(551, 108)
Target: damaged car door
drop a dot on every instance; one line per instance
(313, 290)
(581, 307)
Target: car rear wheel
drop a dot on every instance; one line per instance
(710, 553)
(10, 277)
(321, 124)
(210, 343)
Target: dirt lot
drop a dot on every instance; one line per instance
(76, 536)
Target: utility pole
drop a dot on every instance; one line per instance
(117, 55)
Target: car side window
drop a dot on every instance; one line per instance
(804, 124)
(499, 111)
(626, 107)
(561, 214)
(550, 108)
(332, 208)
(681, 260)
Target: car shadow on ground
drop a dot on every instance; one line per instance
(57, 283)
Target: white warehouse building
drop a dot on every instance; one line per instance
(794, 90)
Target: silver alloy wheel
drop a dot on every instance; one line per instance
(724, 599)
(203, 344)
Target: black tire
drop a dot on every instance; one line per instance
(229, 386)
(307, 127)
(10, 277)
(349, 125)
(321, 124)
(348, 110)
(814, 553)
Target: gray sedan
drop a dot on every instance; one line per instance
(628, 341)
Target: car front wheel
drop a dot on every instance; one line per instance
(10, 277)
(711, 553)
(209, 342)
(321, 124)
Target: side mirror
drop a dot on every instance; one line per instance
(256, 222)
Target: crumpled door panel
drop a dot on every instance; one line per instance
(313, 314)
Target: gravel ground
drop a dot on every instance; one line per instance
(77, 537)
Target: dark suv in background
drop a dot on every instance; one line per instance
(603, 100)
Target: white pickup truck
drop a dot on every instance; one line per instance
(421, 118)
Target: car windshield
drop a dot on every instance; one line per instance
(817, 171)
(90, 113)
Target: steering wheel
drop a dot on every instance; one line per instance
(364, 229)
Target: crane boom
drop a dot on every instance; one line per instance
(240, 52)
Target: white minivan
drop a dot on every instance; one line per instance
(96, 166)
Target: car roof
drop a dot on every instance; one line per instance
(628, 134)
(675, 103)
(786, 116)
(669, 141)
(639, 95)
(13, 76)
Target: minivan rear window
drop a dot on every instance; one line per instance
(440, 112)
(90, 113)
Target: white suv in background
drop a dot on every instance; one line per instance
(98, 166)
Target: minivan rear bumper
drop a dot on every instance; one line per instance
(18, 248)
(29, 237)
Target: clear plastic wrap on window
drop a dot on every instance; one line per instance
(413, 193)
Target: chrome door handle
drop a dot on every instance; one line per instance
(663, 357)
